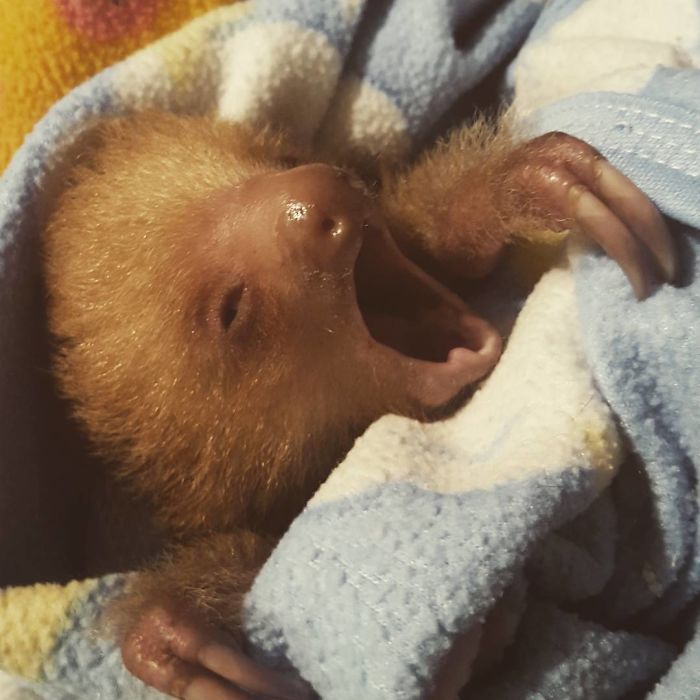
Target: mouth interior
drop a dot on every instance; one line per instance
(404, 308)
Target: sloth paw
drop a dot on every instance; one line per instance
(563, 178)
(186, 659)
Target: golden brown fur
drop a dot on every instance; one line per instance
(205, 583)
(227, 323)
(166, 408)
(227, 436)
(177, 422)
(451, 206)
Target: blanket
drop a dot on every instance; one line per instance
(570, 477)
(50, 47)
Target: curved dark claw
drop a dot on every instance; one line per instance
(572, 180)
(638, 212)
(606, 229)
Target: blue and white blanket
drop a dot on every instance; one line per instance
(572, 471)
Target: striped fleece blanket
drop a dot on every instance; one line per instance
(569, 481)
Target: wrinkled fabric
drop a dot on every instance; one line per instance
(423, 528)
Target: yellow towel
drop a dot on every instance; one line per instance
(50, 46)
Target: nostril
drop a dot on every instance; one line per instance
(328, 224)
(334, 226)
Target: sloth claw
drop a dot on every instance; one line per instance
(186, 659)
(638, 212)
(602, 226)
(570, 181)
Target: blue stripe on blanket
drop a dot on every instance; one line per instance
(402, 570)
(559, 655)
(645, 358)
(334, 582)
(335, 19)
(655, 142)
(24, 174)
(408, 51)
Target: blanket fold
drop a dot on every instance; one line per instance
(572, 470)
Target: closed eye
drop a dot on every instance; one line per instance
(289, 161)
(230, 304)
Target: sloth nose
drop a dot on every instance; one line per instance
(323, 222)
(325, 203)
(327, 238)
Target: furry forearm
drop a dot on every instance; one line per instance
(208, 577)
(449, 211)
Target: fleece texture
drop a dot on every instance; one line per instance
(50, 46)
(571, 472)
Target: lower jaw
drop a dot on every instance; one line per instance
(424, 331)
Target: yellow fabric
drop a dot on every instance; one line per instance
(33, 617)
(48, 47)
(529, 258)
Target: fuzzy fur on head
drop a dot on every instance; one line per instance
(207, 437)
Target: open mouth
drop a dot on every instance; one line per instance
(425, 326)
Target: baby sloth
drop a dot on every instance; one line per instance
(231, 314)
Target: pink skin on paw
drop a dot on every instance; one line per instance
(571, 181)
(183, 657)
(108, 20)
